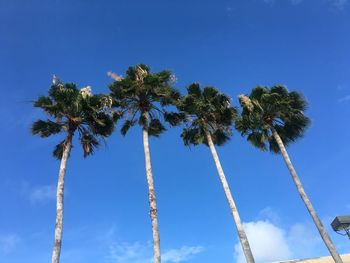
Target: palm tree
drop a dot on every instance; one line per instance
(71, 110)
(209, 118)
(272, 118)
(141, 97)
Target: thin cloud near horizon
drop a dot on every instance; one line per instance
(338, 4)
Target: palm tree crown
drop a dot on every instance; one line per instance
(141, 96)
(206, 110)
(272, 108)
(70, 110)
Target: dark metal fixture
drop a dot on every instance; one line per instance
(341, 225)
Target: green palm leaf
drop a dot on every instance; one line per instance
(46, 128)
(142, 97)
(277, 108)
(72, 111)
(205, 110)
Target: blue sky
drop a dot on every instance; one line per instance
(233, 45)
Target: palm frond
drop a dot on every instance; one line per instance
(58, 151)
(73, 110)
(206, 110)
(155, 128)
(174, 118)
(194, 89)
(142, 93)
(48, 106)
(257, 93)
(126, 126)
(257, 139)
(272, 108)
(220, 137)
(193, 136)
(46, 128)
(210, 92)
(102, 124)
(89, 143)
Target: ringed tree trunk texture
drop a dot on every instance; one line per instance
(241, 234)
(59, 201)
(151, 198)
(326, 239)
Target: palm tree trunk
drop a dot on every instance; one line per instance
(242, 235)
(306, 200)
(151, 198)
(59, 201)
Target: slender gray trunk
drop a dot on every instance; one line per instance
(306, 200)
(59, 201)
(241, 233)
(151, 198)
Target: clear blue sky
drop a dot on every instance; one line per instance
(233, 45)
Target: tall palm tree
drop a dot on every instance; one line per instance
(71, 111)
(141, 97)
(272, 118)
(209, 118)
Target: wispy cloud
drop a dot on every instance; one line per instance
(270, 214)
(140, 253)
(339, 4)
(42, 194)
(293, 2)
(125, 252)
(8, 243)
(345, 98)
(182, 254)
(296, 2)
(88, 243)
(304, 241)
(270, 2)
(340, 87)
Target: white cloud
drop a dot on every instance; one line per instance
(264, 238)
(141, 253)
(300, 240)
(8, 243)
(345, 98)
(42, 193)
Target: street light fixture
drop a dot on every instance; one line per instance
(340, 224)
